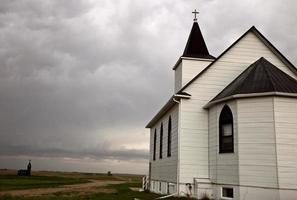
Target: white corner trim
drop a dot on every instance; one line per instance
(201, 59)
(190, 58)
(263, 94)
(182, 96)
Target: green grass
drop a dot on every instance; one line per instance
(122, 193)
(97, 176)
(14, 182)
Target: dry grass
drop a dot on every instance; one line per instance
(46, 183)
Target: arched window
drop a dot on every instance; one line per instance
(169, 138)
(155, 140)
(161, 141)
(226, 131)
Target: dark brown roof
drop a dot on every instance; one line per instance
(261, 76)
(196, 47)
(263, 38)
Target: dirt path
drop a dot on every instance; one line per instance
(92, 186)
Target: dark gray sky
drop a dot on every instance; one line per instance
(80, 79)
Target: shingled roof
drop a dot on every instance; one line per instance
(260, 77)
(196, 47)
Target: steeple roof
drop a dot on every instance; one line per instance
(260, 77)
(196, 47)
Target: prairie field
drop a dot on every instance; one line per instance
(44, 185)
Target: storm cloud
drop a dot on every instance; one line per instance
(80, 79)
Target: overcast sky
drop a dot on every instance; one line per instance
(80, 79)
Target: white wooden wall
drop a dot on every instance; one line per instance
(186, 70)
(194, 119)
(256, 142)
(265, 149)
(178, 78)
(165, 169)
(191, 68)
(223, 166)
(286, 141)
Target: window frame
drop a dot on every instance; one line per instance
(225, 197)
(155, 145)
(160, 186)
(161, 142)
(169, 137)
(226, 118)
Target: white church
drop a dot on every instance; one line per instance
(229, 131)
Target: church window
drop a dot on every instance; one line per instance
(227, 193)
(161, 141)
(155, 140)
(226, 131)
(169, 138)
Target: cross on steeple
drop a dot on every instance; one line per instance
(195, 15)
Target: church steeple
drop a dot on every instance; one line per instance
(194, 59)
(196, 47)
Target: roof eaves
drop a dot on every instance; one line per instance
(170, 103)
(177, 63)
(250, 95)
(212, 58)
(183, 93)
(165, 108)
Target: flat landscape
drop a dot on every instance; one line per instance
(43, 185)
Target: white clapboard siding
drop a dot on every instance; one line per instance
(191, 68)
(286, 140)
(178, 78)
(207, 86)
(187, 70)
(165, 169)
(223, 166)
(256, 142)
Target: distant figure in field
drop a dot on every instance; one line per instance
(29, 168)
(25, 172)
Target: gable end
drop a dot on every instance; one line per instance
(263, 39)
